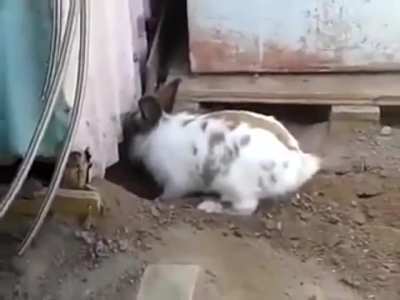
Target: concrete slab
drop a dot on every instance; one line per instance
(169, 282)
(355, 113)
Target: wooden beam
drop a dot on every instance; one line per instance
(79, 203)
(329, 89)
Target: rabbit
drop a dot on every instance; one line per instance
(242, 156)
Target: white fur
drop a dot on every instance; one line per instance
(176, 155)
(210, 206)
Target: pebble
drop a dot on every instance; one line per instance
(270, 225)
(381, 277)
(351, 282)
(155, 212)
(123, 245)
(304, 216)
(86, 236)
(359, 218)
(386, 131)
(279, 226)
(237, 233)
(369, 190)
(333, 219)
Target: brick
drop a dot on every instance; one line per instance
(169, 282)
(355, 113)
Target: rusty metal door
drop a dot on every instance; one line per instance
(294, 36)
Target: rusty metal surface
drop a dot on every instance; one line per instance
(294, 36)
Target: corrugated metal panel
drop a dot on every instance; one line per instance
(291, 35)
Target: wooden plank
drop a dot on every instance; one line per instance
(330, 89)
(153, 61)
(79, 203)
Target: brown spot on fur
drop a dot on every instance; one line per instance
(215, 138)
(194, 150)
(261, 183)
(268, 166)
(204, 126)
(232, 125)
(273, 179)
(235, 118)
(245, 140)
(218, 162)
(236, 149)
(187, 122)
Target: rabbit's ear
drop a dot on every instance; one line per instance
(166, 95)
(150, 110)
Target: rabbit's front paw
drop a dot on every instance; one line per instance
(210, 206)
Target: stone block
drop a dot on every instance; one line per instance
(169, 282)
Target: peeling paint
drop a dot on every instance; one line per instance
(294, 36)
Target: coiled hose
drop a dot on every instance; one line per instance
(75, 116)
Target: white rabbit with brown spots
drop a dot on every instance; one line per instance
(242, 156)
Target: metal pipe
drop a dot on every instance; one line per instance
(44, 119)
(76, 112)
(54, 46)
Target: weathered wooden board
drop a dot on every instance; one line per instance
(294, 36)
(329, 89)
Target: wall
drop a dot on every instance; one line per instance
(291, 35)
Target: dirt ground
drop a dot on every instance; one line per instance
(339, 239)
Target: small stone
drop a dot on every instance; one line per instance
(334, 240)
(100, 247)
(304, 216)
(257, 234)
(155, 212)
(354, 203)
(335, 259)
(85, 236)
(333, 219)
(350, 282)
(267, 234)
(237, 233)
(369, 190)
(270, 224)
(295, 244)
(359, 218)
(17, 290)
(381, 277)
(123, 245)
(169, 282)
(386, 131)
(362, 138)
(279, 226)
(371, 212)
(295, 202)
